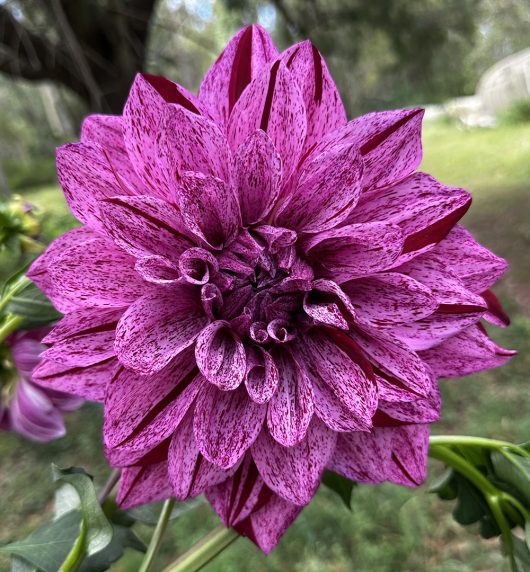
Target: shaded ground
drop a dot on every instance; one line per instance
(390, 529)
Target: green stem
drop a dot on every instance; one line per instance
(19, 285)
(76, 555)
(462, 466)
(204, 551)
(456, 440)
(156, 539)
(11, 323)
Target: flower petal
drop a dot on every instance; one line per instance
(273, 103)
(141, 412)
(107, 132)
(294, 472)
(395, 454)
(145, 226)
(327, 191)
(209, 209)
(226, 423)
(291, 407)
(424, 210)
(143, 115)
(87, 382)
(324, 108)
(468, 352)
(189, 471)
(86, 177)
(390, 298)
(325, 363)
(96, 273)
(220, 356)
(241, 61)
(261, 378)
(355, 250)
(257, 176)
(190, 142)
(144, 485)
(157, 327)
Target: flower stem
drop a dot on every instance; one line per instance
(156, 539)
(109, 485)
(19, 285)
(11, 323)
(455, 440)
(204, 551)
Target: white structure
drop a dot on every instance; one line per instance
(505, 82)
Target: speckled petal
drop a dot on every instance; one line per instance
(294, 472)
(273, 103)
(241, 61)
(226, 423)
(157, 327)
(143, 485)
(395, 454)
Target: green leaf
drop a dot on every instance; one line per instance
(48, 546)
(520, 551)
(341, 485)
(513, 470)
(149, 513)
(446, 485)
(98, 528)
(471, 505)
(33, 306)
(123, 537)
(20, 565)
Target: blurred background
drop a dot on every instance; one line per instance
(466, 61)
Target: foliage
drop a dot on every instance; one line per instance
(518, 112)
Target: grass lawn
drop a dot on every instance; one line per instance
(390, 529)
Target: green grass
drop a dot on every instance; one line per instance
(390, 529)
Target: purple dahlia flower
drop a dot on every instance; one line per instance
(31, 410)
(261, 289)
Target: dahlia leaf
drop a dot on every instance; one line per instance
(340, 485)
(98, 529)
(513, 470)
(48, 546)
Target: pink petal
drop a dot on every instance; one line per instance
(291, 407)
(189, 471)
(39, 269)
(257, 176)
(143, 115)
(390, 298)
(424, 210)
(327, 191)
(226, 423)
(325, 363)
(84, 321)
(468, 352)
(141, 412)
(86, 177)
(390, 143)
(190, 142)
(145, 226)
(262, 377)
(241, 61)
(235, 498)
(107, 132)
(355, 250)
(476, 266)
(157, 270)
(144, 485)
(327, 304)
(84, 349)
(267, 525)
(324, 108)
(273, 103)
(220, 356)
(294, 472)
(395, 454)
(96, 273)
(496, 313)
(209, 208)
(394, 360)
(157, 327)
(87, 382)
